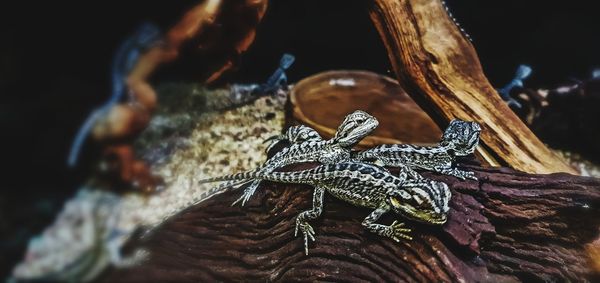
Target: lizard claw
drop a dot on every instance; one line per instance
(307, 231)
(397, 231)
(248, 192)
(463, 175)
(470, 175)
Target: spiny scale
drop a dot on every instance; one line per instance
(456, 22)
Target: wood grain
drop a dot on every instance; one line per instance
(440, 69)
(507, 227)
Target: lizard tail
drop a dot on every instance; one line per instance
(82, 134)
(238, 176)
(218, 189)
(296, 177)
(223, 187)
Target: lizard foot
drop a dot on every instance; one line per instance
(248, 192)
(397, 231)
(463, 175)
(470, 175)
(307, 231)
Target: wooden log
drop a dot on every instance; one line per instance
(509, 226)
(440, 69)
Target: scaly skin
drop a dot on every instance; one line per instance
(456, 22)
(294, 134)
(460, 139)
(366, 185)
(353, 129)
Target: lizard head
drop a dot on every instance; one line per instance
(422, 200)
(462, 137)
(354, 128)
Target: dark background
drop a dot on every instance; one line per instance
(55, 57)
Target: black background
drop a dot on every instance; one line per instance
(55, 57)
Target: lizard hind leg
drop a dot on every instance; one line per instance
(302, 220)
(248, 192)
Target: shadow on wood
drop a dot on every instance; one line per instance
(508, 226)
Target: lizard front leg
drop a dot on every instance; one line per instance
(394, 231)
(314, 213)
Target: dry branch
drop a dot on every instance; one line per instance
(440, 69)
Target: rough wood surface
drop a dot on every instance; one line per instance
(508, 226)
(440, 69)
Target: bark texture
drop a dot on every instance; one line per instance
(508, 226)
(439, 68)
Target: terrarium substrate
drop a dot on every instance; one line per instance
(184, 144)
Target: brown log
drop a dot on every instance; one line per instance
(508, 226)
(440, 69)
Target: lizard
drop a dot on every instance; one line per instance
(278, 78)
(244, 93)
(353, 129)
(365, 185)
(127, 55)
(459, 139)
(522, 73)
